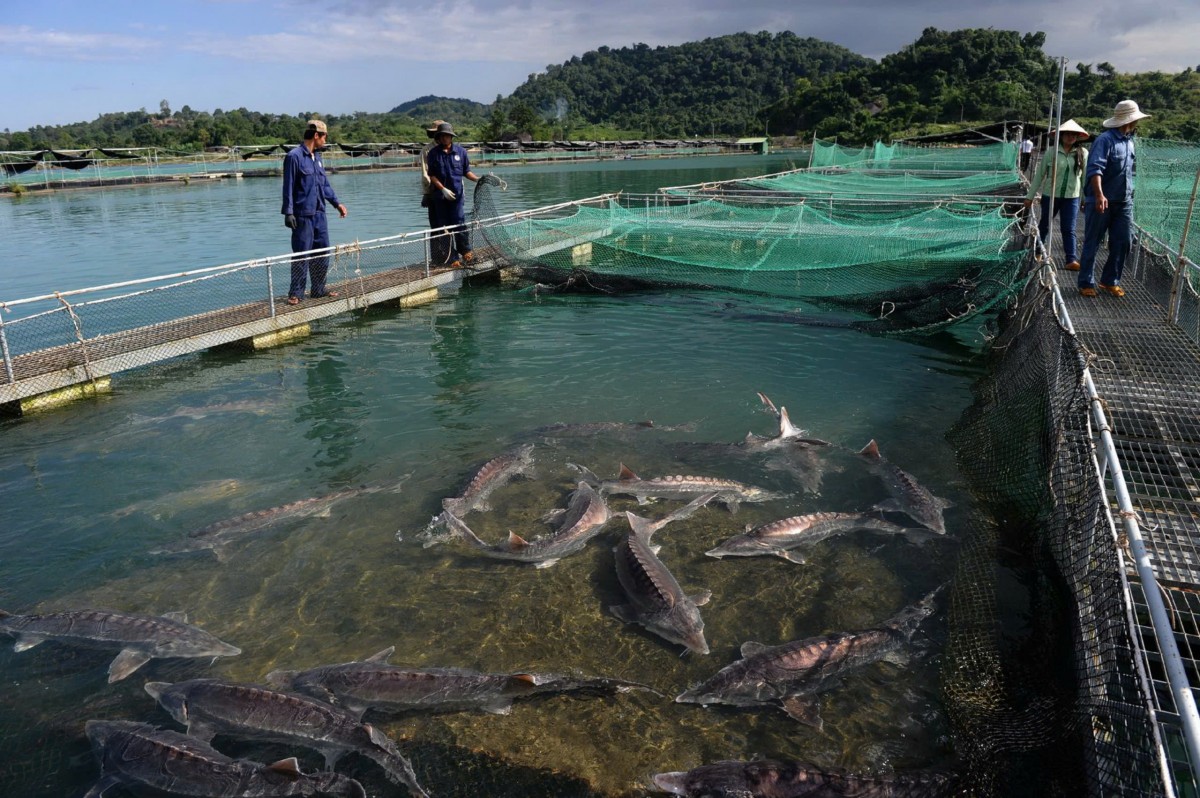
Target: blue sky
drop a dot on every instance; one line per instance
(69, 61)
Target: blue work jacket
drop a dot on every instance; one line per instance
(305, 186)
(1113, 159)
(449, 167)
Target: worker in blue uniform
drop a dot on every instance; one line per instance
(447, 165)
(306, 189)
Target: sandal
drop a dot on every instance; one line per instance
(293, 300)
(1115, 290)
(327, 293)
(1087, 291)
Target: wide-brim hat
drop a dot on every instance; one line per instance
(431, 131)
(444, 127)
(1125, 112)
(1071, 126)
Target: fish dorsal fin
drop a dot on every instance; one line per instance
(786, 428)
(128, 661)
(751, 648)
(379, 738)
(528, 678)
(382, 657)
(288, 767)
(176, 616)
(647, 423)
(767, 403)
(627, 475)
(515, 541)
(871, 450)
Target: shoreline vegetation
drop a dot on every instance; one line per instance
(732, 86)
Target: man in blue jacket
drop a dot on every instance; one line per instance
(447, 166)
(1108, 200)
(305, 191)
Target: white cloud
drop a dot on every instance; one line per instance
(51, 44)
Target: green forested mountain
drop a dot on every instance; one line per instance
(714, 86)
(742, 84)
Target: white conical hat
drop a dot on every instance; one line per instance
(1071, 126)
(1125, 112)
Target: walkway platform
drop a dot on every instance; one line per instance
(1147, 373)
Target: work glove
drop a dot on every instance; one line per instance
(448, 194)
(289, 221)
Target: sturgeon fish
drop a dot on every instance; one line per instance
(140, 638)
(779, 779)
(492, 475)
(727, 491)
(656, 601)
(209, 707)
(145, 759)
(218, 536)
(375, 685)
(789, 434)
(584, 518)
(793, 673)
(781, 537)
(908, 495)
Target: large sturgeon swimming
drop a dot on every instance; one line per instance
(727, 491)
(781, 537)
(775, 779)
(792, 674)
(375, 685)
(584, 518)
(490, 476)
(140, 638)
(656, 601)
(908, 495)
(149, 760)
(209, 707)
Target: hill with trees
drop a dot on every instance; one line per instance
(741, 84)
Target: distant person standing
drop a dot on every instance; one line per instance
(438, 246)
(305, 191)
(447, 165)
(1026, 152)
(1067, 167)
(1108, 200)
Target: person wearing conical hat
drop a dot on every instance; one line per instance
(1108, 200)
(1066, 168)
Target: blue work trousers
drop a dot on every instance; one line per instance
(450, 214)
(1067, 209)
(310, 232)
(1117, 224)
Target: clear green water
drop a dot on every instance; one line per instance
(431, 393)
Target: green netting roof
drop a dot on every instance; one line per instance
(902, 185)
(1001, 156)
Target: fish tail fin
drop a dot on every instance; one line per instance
(395, 764)
(459, 528)
(768, 404)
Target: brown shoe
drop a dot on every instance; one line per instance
(1087, 291)
(1073, 266)
(1115, 290)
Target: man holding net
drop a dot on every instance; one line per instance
(447, 164)
(305, 192)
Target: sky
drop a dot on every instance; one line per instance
(70, 60)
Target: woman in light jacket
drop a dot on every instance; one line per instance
(1071, 158)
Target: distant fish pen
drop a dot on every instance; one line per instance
(1094, 693)
(48, 169)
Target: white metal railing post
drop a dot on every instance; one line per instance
(271, 289)
(8, 368)
(1180, 268)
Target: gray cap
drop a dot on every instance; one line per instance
(444, 127)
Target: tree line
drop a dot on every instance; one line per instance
(736, 85)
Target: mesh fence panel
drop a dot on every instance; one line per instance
(903, 268)
(1166, 177)
(1001, 156)
(1049, 686)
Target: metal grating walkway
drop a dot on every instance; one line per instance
(1148, 375)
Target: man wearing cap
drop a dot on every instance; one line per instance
(1108, 200)
(447, 165)
(1059, 179)
(305, 191)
